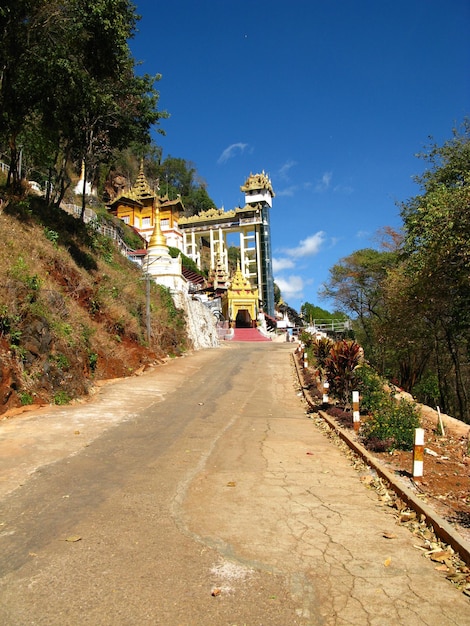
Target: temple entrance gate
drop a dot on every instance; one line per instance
(210, 229)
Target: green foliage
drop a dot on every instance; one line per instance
(427, 389)
(8, 322)
(371, 388)
(356, 287)
(19, 351)
(15, 336)
(344, 358)
(186, 261)
(436, 269)
(131, 238)
(69, 90)
(312, 312)
(60, 360)
(233, 256)
(51, 235)
(104, 246)
(321, 350)
(410, 301)
(61, 398)
(63, 329)
(92, 360)
(26, 398)
(178, 177)
(45, 321)
(20, 272)
(392, 425)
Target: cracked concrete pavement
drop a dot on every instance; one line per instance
(249, 515)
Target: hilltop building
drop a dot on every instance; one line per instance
(203, 239)
(251, 222)
(138, 205)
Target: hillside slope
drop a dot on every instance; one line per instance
(72, 309)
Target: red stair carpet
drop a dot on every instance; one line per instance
(248, 334)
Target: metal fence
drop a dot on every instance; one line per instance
(90, 217)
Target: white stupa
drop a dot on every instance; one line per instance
(159, 264)
(79, 186)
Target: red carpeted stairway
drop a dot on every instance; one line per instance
(248, 334)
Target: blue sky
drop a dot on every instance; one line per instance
(332, 99)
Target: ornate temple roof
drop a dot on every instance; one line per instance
(258, 181)
(205, 216)
(141, 189)
(241, 284)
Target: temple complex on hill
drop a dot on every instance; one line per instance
(203, 238)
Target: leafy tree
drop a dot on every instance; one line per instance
(233, 255)
(356, 287)
(68, 73)
(311, 312)
(437, 264)
(173, 177)
(179, 177)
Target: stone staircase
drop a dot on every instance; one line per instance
(248, 334)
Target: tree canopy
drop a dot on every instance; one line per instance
(69, 91)
(411, 300)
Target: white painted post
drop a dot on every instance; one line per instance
(305, 360)
(356, 414)
(326, 386)
(441, 425)
(418, 453)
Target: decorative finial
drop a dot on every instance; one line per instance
(157, 238)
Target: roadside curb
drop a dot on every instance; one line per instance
(443, 529)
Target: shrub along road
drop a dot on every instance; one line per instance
(199, 494)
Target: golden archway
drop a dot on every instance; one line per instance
(242, 302)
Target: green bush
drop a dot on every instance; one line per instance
(25, 398)
(61, 397)
(61, 360)
(341, 364)
(370, 387)
(427, 390)
(321, 349)
(92, 360)
(392, 425)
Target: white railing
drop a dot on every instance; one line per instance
(335, 325)
(104, 229)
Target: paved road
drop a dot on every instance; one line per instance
(200, 494)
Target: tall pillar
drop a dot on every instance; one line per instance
(211, 238)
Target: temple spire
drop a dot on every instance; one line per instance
(157, 239)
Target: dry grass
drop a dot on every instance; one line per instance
(72, 309)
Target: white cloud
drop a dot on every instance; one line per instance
(346, 190)
(324, 183)
(291, 287)
(284, 169)
(307, 247)
(288, 191)
(282, 264)
(231, 151)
